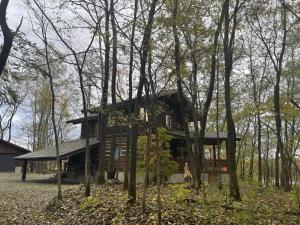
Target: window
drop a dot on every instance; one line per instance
(191, 126)
(117, 152)
(123, 151)
(143, 114)
(168, 121)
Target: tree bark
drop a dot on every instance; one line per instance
(100, 179)
(111, 173)
(50, 76)
(144, 55)
(130, 105)
(180, 91)
(209, 94)
(231, 141)
(7, 34)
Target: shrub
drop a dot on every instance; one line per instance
(180, 193)
(167, 166)
(89, 202)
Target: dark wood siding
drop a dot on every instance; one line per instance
(7, 162)
(7, 153)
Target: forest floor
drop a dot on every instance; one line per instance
(24, 203)
(34, 202)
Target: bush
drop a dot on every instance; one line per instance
(180, 192)
(167, 166)
(89, 202)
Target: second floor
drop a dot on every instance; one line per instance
(168, 116)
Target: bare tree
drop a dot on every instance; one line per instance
(144, 55)
(104, 111)
(79, 64)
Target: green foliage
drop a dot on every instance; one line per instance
(167, 166)
(89, 202)
(180, 193)
(297, 194)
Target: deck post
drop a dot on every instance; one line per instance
(24, 170)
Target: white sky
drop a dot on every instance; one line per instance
(15, 12)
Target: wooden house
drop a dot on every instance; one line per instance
(169, 118)
(8, 151)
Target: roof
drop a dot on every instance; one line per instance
(161, 95)
(81, 119)
(65, 149)
(19, 148)
(210, 137)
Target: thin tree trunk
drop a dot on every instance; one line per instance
(158, 199)
(127, 158)
(209, 95)
(111, 172)
(256, 98)
(231, 142)
(100, 179)
(180, 91)
(130, 105)
(146, 179)
(144, 55)
(50, 76)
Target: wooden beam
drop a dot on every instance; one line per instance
(24, 170)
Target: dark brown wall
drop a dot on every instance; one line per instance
(7, 153)
(11, 149)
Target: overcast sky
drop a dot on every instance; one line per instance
(15, 12)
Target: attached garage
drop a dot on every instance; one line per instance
(7, 153)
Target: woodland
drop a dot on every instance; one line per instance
(236, 60)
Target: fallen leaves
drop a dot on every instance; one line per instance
(35, 203)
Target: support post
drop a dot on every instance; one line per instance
(215, 161)
(24, 170)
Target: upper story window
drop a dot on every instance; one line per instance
(143, 114)
(117, 152)
(191, 126)
(168, 121)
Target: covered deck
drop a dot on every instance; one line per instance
(67, 150)
(214, 162)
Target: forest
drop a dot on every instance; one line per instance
(234, 66)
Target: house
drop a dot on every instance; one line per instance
(8, 151)
(169, 117)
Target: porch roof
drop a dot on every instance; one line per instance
(65, 149)
(210, 138)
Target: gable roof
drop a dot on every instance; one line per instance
(13, 146)
(65, 149)
(169, 96)
(161, 95)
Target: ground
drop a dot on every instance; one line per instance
(34, 202)
(24, 202)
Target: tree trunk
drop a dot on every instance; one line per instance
(194, 162)
(127, 158)
(111, 172)
(231, 142)
(7, 35)
(209, 95)
(100, 179)
(50, 76)
(144, 55)
(130, 105)
(256, 98)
